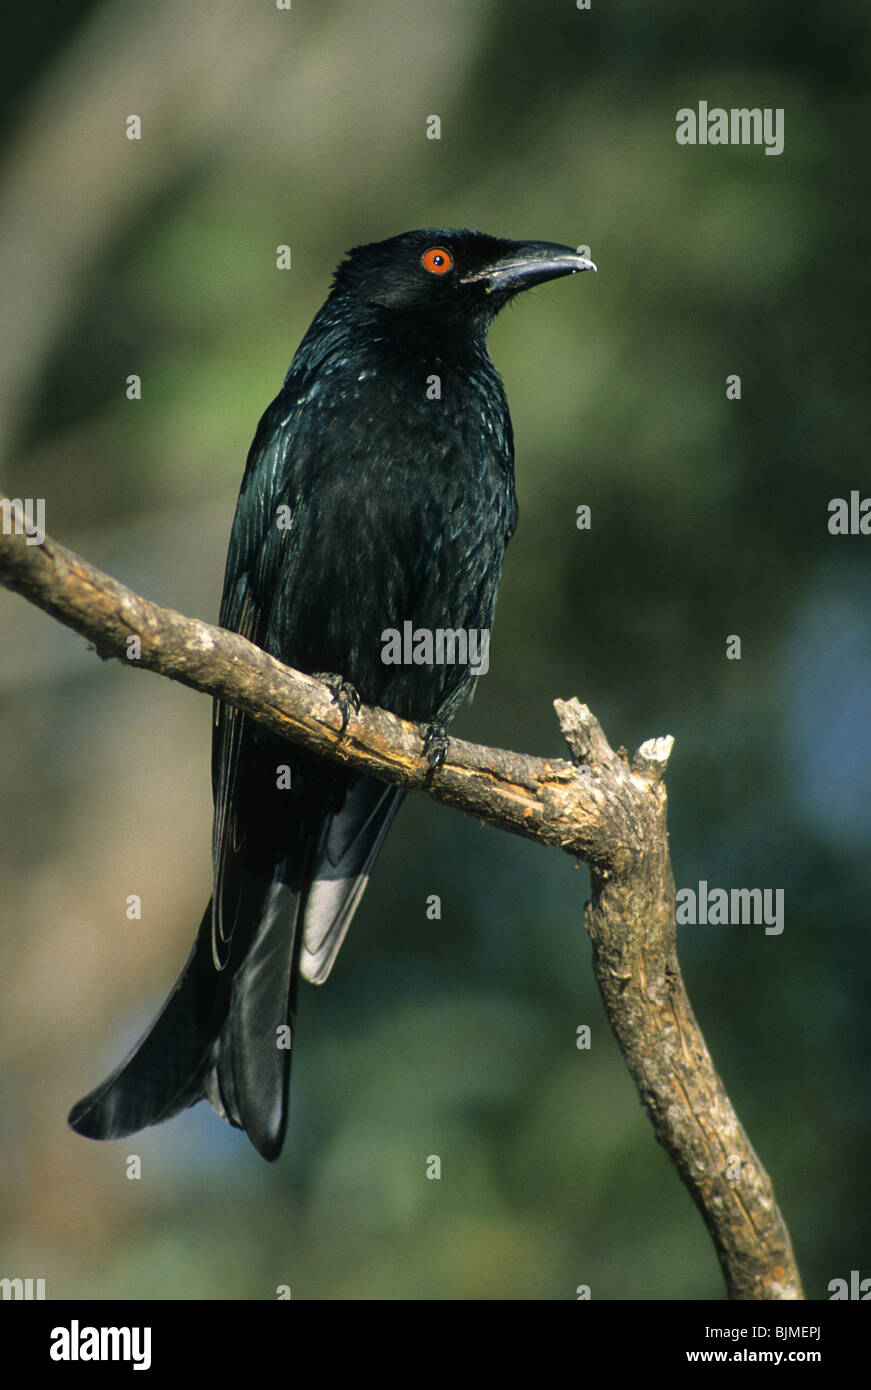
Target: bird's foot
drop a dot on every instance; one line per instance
(345, 695)
(435, 745)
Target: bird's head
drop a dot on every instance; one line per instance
(450, 276)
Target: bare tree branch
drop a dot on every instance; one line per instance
(598, 808)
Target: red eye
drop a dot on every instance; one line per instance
(437, 260)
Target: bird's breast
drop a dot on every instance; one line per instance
(404, 501)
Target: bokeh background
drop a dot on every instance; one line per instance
(455, 1038)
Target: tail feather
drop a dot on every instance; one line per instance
(165, 1072)
(217, 1037)
(248, 1081)
(221, 1033)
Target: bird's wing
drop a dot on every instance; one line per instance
(230, 733)
(254, 561)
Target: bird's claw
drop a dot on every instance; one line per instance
(435, 745)
(345, 695)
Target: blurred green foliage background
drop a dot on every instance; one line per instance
(454, 1038)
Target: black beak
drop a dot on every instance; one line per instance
(528, 263)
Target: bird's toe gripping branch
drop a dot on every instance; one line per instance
(345, 695)
(435, 745)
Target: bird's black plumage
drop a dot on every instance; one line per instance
(379, 489)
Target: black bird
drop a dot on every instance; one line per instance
(379, 490)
